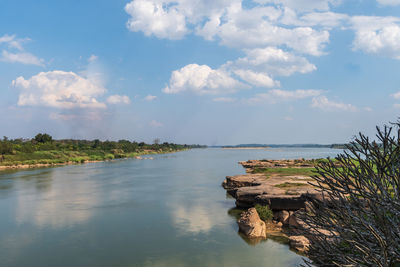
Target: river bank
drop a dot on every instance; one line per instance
(82, 159)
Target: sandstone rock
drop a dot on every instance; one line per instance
(308, 206)
(278, 201)
(283, 216)
(295, 221)
(251, 225)
(299, 243)
(242, 180)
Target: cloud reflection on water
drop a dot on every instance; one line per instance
(55, 202)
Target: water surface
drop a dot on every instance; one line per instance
(169, 211)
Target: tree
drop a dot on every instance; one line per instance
(43, 138)
(357, 221)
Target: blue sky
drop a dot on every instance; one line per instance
(209, 72)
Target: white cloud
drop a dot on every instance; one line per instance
(389, 2)
(396, 95)
(303, 5)
(224, 99)
(377, 35)
(59, 89)
(202, 80)
(118, 99)
(159, 18)
(156, 124)
(21, 57)
(273, 61)
(13, 42)
(322, 102)
(326, 20)
(92, 58)
(256, 78)
(62, 203)
(150, 97)
(254, 28)
(234, 25)
(18, 56)
(277, 95)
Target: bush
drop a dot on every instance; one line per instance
(360, 210)
(264, 212)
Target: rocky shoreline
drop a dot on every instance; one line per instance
(284, 186)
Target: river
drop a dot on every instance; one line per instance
(167, 211)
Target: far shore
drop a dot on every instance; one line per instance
(245, 147)
(18, 166)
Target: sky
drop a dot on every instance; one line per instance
(214, 72)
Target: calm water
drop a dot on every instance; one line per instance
(170, 211)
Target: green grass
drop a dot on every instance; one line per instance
(264, 212)
(286, 171)
(287, 184)
(67, 156)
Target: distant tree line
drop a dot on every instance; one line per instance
(45, 142)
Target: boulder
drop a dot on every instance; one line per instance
(251, 225)
(283, 216)
(295, 221)
(299, 243)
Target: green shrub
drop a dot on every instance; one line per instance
(264, 212)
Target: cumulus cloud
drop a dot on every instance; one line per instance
(277, 38)
(256, 78)
(322, 102)
(202, 80)
(118, 99)
(377, 35)
(273, 61)
(59, 89)
(159, 18)
(234, 25)
(150, 97)
(277, 95)
(326, 20)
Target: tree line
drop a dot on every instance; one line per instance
(45, 142)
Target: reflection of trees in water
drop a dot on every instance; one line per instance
(42, 179)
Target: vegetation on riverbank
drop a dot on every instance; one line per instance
(43, 150)
(306, 171)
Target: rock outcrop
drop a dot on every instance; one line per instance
(299, 243)
(277, 191)
(286, 195)
(251, 225)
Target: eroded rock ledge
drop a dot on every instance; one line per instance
(284, 186)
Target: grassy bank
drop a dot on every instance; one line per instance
(306, 171)
(43, 150)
